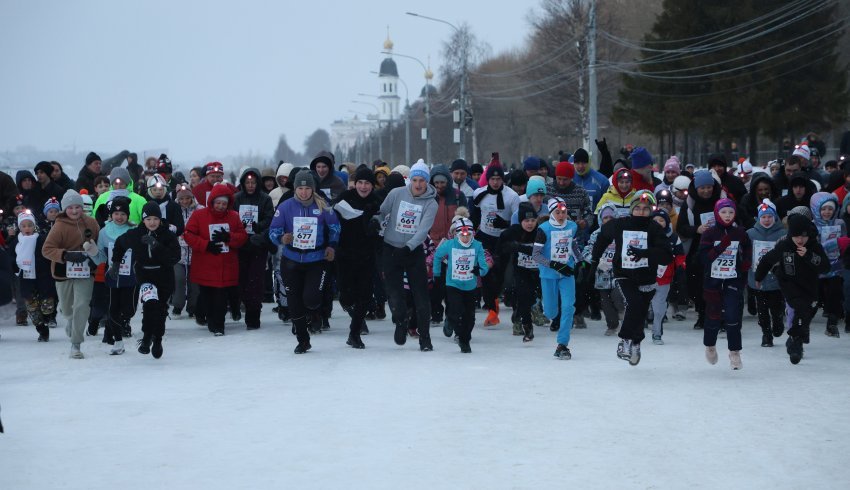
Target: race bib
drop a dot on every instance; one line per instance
(27, 269)
(622, 212)
(526, 261)
(220, 226)
(408, 218)
(723, 266)
(77, 271)
(606, 261)
(707, 218)
(462, 263)
(829, 240)
(304, 232)
(147, 292)
(249, 214)
(561, 245)
(636, 239)
(124, 267)
(760, 249)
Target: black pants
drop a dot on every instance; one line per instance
(527, 283)
(305, 283)
(155, 309)
(460, 311)
(252, 280)
(770, 307)
(397, 263)
(438, 295)
(637, 304)
(492, 282)
(212, 304)
(694, 281)
(122, 307)
(99, 303)
(800, 319)
(354, 279)
(832, 296)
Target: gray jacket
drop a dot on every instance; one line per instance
(407, 219)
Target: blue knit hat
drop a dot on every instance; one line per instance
(419, 169)
(531, 163)
(702, 177)
(766, 207)
(640, 158)
(51, 203)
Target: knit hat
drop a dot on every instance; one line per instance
(164, 166)
(518, 177)
(419, 169)
(19, 200)
(526, 211)
(363, 173)
(802, 151)
(745, 168)
(460, 223)
(717, 159)
(476, 168)
(640, 158)
(383, 169)
(120, 174)
(459, 164)
(720, 204)
(535, 185)
(531, 163)
(184, 191)
(607, 209)
(767, 207)
(51, 203)
(673, 165)
(25, 215)
(119, 204)
(213, 168)
(556, 202)
(87, 202)
(151, 209)
(71, 198)
(404, 170)
(45, 167)
(798, 225)
(581, 156)
(801, 210)
(663, 195)
(565, 169)
(681, 183)
(495, 170)
(91, 158)
(304, 178)
(702, 177)
(642, 197)
(156, 181)
(663, 214)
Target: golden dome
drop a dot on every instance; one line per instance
(388, 44)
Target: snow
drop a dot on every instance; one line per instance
(242, 411)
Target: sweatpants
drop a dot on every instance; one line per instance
(74, 297)
(122, 307)
(723, 308)
(770, 307)
(397, 263)
(185, 292)
(305, 283)
(659, 308)
(155, 306)
(636, 304)
(612, 305)
(563, 288)
(526, 284)
(460, 311)
(354, 279)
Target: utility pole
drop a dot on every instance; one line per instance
(591, 79)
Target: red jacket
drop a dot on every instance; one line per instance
(209, 269)
(200, 191)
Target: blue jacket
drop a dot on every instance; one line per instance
(772, 235)
(105, 242)
(543, 245)
(594, 183)
(326, 227)
(459, 268)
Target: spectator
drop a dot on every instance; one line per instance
(89, 172)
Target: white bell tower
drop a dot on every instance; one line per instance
(388, 98)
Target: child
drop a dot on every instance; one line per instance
(665, 275)
(726, 252)
(555, 251)
(101, 185)
(152, 250)
(641, 246)
(796, 261)
(185, 291)
(37, 287)
(466, 261)
(517, 242)
(51, 212)
(612, 301)
(10, 230)
(620, 193)
(157, 190)
(769, 303)
(122, 287)
(824, 206)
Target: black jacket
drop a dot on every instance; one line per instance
(265, 213)
(796, 274)
(750, 203)
(38, 196)
(660, 252)
(85, 180)
(515, 240)
(171, 212)
(145, 258)
(356, 240)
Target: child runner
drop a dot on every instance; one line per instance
(122, 296)
(517, 242)
(665, 275)
(769, 303)
(824, 206)
(611, 299)
(37, 286)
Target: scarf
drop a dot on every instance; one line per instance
(500, 201)
(25, 252)
(555, 224)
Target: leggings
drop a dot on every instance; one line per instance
(305, 283)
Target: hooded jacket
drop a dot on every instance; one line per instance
(208, 269)
(829, 231)
(331, 185)
(145, 259)
(67, 234)
(38, 196)
(613, 196)
(171, 214)
(788, 202)
(797, 275)
(447, 203)
(749, 204)
(85, 179)
(19, 178)
(691, 215)
(408, 219)
(764, 239)
(712, 253)
(279, 193)
(255, 210)
(100, 211)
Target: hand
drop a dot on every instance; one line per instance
(801, 251)
(258, 240)
(112, 272)
(221, 236)
(637, 253)
(476, 271)
(702, 229)
(499, 222)
(287, 239)
(725, 242)
(74, 256)
(213, 248)
(90, 248)
(374, 227)
(329, 254)
(601, 145)
(245, 223)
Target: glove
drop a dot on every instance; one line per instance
(329, 254)
(221, 236)
(500, 223)
(90, 248)
(74, 256)
(725, 242)
(561, 268)
(150, 241)
(112, 272)
(213, 248)
(637, 253)
(374, 227)
(601, 145)
(258, 240)
(245, 223)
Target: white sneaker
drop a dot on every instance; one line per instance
(117, 349)
(75, 352)
(711, 355)
(735, 359)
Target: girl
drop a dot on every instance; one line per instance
(185, 291)
(517, 242)
(612, 301)
(726, 252)
(824, 206)
(555, 252)
(620, 193)
(37, 287)
(309, 231)
(121, 293)
(465, 261)
(769, 302)
(665, 275)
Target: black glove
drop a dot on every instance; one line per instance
(500, 223)
(112, 272)
(561, 268)
(74, 256)
(476, 271)
(150, 240)
(374, 227)
(213, 248)
(638, 253)
(221, 236)
(602, 145)
(245, 223)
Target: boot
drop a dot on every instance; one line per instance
(43, 333)
(21, 318)
(563, 352)
(766, 339)
(354, 339)
(91, 330)
(364, 329)
(518, 330)
(315, 326)
(832, 326)
(624, 349)
(400, 335)
(326, 323)
(425, 344)
(464, 346)
(735, 360)
(778, 327)
(156, 348)
(127, 331)
(554, 326)
(699, 322)
(145, 345)
(537, 316)
(302, 327)
(380, 311)
(492, 318)
(578, 322)
(448, 328)
(711, 354)
(283, 314)
(528, 332)
(252, 319)
(611, 331)
(117, 348)
(794, 347)
(595, 314)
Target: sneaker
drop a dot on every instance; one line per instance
(425, 344)
(117, 349)
(380, 312)
(624, 349)
(326, 323)
(517, 331)
(528, 333)
(711, 354)
(832, 330)
(767, 340)
(656, 339)
(554, 326)
(177, 311)
(303, 347)
(413, 332)
(156, 348)
(218, 333)
(634, 354)
(563, 352)
(355, 342)
(578, 322)
(75, 352)
(611, 331)
(144, 345)
(492, 319)
(51, 323)
(735, 360)
(400, 335)
(679, 316)
(464, 346)
(364, 330)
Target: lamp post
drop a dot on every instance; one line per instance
(428, 76)
(378, 117)
(463, 81)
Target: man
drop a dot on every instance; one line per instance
(802, 189)
(531, 166)
(213, 174)
(327, 182)
(518, 180)
(136, 170)
(782, 179)
(460, 178)
(89, 172)
(594, 183)
(410, 212)
(44, 190)
(733, 186)
(642, 176)
(120, 185)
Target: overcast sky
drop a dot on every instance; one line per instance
(211, 78)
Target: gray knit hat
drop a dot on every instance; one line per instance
(71, 198)
(304, 178)
(119, 173)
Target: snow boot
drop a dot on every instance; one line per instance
(283, 314)
(380, 311)
(117, 348)
(794, 347)
(735, 360)
(156, 348)
(711, 354)
(91, 330)
(252, 319)
(236, 314)
(43, 333)
(400, 335)
(145, 345)
(528, 333)
(562, 352)
(578, 322)
(766, 339)
(464, 346)
(425, 344)
(624, 349)
(634, 354)
(354, 340)
(303, 347)
(832, 326)
(778, 327)
(537, 316)
(21, 318)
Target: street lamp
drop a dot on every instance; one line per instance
(428, 76)
(463, 82)
(378, 117)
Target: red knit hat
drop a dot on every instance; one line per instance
(565, 169)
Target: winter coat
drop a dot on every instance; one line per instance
(85, 180)
(748, 207)
(316, 235)
(145, 259)
(331, 185)
(279, 193)
(447, 204)
(518, 244)
(67, 234)
(797, 275)
(208, 269)
(548, 235)
(65, 182)
(171, 213)
(788, 202)
(19, 178)
(408, 219)
(357, 241)
(43, 282)
(717, 261)
(38, 196)
(691, 215)
(763, 240)
(829, 231)
(638, 230)
(109, 234)
(204, 190)
(256, 213)
(485, 212)
(594, 184)
(614, 196)
(461, 262)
